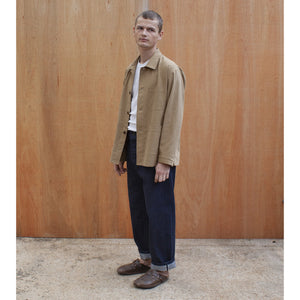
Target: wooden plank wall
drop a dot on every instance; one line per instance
(71, 57)
(231, 179)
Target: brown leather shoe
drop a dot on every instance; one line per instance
(134, 268)
(150, 280)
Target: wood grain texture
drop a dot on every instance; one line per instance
(71, 57)
(230, 183)
(71, 60)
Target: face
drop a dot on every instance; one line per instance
(146, 33)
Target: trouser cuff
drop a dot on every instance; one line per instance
(164, 267)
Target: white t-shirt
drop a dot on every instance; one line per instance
(135, 93)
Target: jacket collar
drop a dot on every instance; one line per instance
(153, 61)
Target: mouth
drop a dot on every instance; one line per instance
(143, 40)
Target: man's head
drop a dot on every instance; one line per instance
(148, 30)
(152, 15)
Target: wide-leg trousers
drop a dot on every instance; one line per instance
(152, 208)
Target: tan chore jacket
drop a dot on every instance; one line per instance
(159, 113)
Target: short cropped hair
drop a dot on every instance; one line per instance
(152, 15)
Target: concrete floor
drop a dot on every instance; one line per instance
(206, 269)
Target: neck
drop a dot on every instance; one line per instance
(146, 54)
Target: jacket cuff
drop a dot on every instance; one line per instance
(166, 161)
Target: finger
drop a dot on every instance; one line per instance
(156, 178)
(122, 169)
(117, 171)
(116, 168)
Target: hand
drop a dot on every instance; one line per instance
(162, 172)
(120, 168)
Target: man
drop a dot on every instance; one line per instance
(148, 138)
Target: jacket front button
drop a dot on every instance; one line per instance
(124, 132)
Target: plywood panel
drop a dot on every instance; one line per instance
(71, 57)
(230, 183)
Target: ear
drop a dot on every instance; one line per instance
(160, 35)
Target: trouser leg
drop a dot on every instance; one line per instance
(138, 211)
(160, 205)
(152, 208)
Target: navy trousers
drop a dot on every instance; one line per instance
(152, 208)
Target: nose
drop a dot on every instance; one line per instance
(144, 32)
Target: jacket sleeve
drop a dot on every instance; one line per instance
(169, 147)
